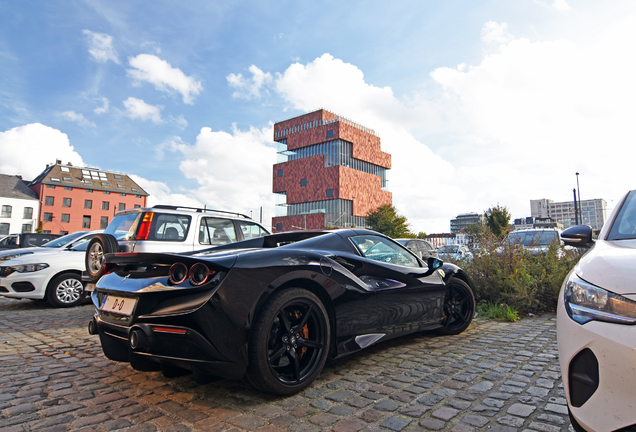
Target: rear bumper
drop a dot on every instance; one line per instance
(172, 344)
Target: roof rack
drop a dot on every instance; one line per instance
(198, 210)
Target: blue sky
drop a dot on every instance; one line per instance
(480, 103)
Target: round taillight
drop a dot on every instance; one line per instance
(178, 273)
(199, 274)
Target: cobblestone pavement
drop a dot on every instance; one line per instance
(495, 376)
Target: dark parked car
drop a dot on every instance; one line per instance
(23, 240)
(272, 309)
(422, 248)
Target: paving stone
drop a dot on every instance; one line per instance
(475, 420)
(510, 421)
(521, 410)
(445, 413)
(551, 418)
(537, 391)
(340, 395)
(559, 409)
(397, 423)
(432, 424)
(459, 404)
(544, 427)
(482, 387)
(387, 405)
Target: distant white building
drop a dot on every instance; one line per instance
(463, 221)
(19, 206)
(593, 212)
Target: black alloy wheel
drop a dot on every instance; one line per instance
(100, 245)
(290, 342)
(459, 307)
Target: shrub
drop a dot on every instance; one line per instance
(505, 273)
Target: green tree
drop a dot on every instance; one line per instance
(497, 220)
(421, 235)
(40, 228)
(386, 220)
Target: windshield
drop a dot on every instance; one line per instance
(61, 241)
(624, 227)
(532, 238)
(448, 249)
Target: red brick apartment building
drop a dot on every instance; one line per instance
(330, 172)
(81, 199)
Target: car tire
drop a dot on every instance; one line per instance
(289, 344)
(65, 290)
(459, 307)
(99, 246)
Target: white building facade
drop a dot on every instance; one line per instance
(593, 212)
(19, 206)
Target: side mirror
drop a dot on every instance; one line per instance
(578, 236)
(434, 263)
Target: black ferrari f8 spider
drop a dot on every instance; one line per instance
(271, 309)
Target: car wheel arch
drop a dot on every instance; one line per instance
(61, 272)
(316, 289)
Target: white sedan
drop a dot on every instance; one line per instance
(52, 274)
(595, 324)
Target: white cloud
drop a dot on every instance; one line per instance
(493, 32)
(160, 193)
(249, 88)
(233, 170)
(560, 5)
(138, 109)
(100, 46)
(104, 108)
(163, 76)
(77, 118)
(26, 150)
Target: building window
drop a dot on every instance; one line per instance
(65, 169)
(46, 232)
(4, 228)
(48, 217)
(87, 181)
(67, 179)
(329, 192)
(106, 192)
(105, 205)
(6, 211)
(280, 173)
(68, 188)
(122, 194)
(86, 222)
(28, 213)
(105, 184)
(66, 202)
(26, 228)
(137, 196)
(89, 190)
(121, 186)
(103, 222)
(303, 182)
(49, 200)
(279, 227)
(135, 190)
(88, 204)
(137, 206)
(122, 206)
(55, 179)
(50, 186)
(117, 176)
(330, 134)
(66, 217)
(63, 232)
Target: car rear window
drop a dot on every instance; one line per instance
(215, 232)
(169, 227)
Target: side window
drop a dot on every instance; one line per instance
(251, 230)
(169, 227)
(383, 250)
(215, 232)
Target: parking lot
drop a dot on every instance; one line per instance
(495, 376)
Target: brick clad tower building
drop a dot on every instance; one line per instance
(330, 172)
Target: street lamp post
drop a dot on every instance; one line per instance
(578, 192)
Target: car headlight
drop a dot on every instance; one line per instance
(28, 268)
(12, 256)
(585, 302)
